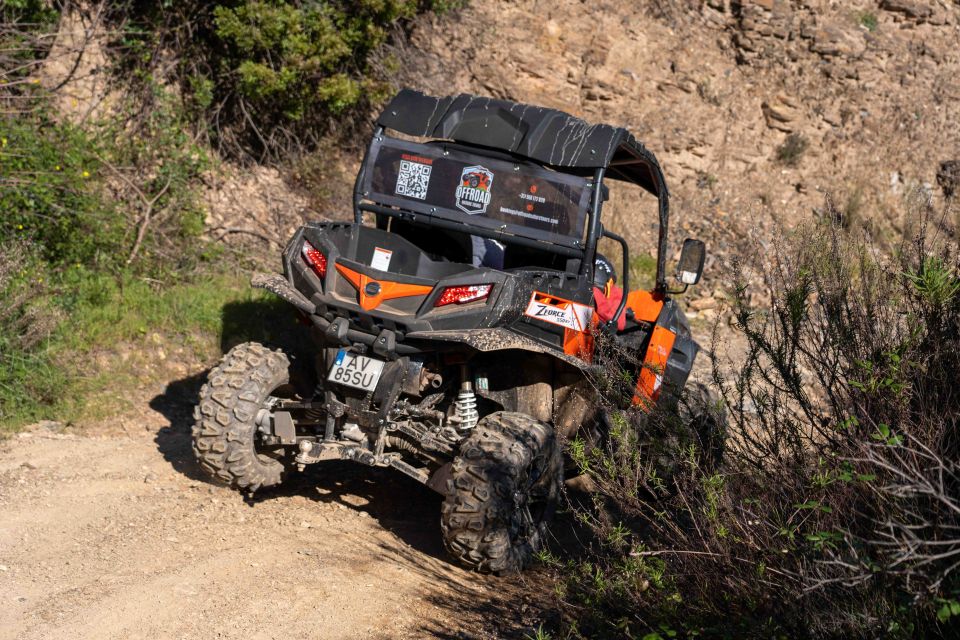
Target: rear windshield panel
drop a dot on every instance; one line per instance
(522, 199)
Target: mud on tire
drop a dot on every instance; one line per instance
(503, 490)
(225, 429)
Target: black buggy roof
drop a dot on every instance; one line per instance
(547, 136)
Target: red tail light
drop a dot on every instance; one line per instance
(461, 295)
(316, 260)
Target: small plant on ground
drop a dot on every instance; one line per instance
(867, 20)
(792, 149)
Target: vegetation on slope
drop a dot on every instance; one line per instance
(267, 77)
(836, 511)
(101, 220)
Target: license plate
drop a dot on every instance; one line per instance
(356, 371)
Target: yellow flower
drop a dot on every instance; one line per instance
(86, 174)
(20, 227)
(56, 168)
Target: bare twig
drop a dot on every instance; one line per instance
(148, 203)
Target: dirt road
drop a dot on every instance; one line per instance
(112, 532)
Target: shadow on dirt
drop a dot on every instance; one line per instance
(399, 504)
(468, 605)
(176, 404)
(485, 607)
(511, 607)
(269, 321)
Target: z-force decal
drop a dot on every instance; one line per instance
(563, 313)
(473, 192)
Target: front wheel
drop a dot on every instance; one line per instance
(702, 409)
(692, 432)
(503, 490)
(226, 439)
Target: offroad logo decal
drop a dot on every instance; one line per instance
(558, 311)
(473, 192)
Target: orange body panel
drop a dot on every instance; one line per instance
(580, 343)
(646, 305)
(388, 290)
(651, 375)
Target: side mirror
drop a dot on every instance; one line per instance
(692, 257)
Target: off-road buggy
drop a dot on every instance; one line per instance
(455, 331)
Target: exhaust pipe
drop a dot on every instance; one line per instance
(430, 379)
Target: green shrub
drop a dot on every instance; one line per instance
(50, 193)
(23, 21)
(269, 76)
(82, 194)
(28, 12)
(791, 151)
(289, 59)
(868, 20)
(836, 512)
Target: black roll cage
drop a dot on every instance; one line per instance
(546, 136)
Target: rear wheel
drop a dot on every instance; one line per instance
(502, 492)
(226, 439)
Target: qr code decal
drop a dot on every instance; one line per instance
(413, 180)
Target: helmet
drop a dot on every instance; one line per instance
(603, 271)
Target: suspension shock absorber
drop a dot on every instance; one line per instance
(466, 402)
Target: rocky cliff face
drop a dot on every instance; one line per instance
(757, 109)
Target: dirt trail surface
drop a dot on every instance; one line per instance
(113, 532)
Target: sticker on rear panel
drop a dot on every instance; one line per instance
(413, 179)
(563, 313)
(473, 191)
(381, 259)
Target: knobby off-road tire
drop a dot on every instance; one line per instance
(225, 431)
(502, 492)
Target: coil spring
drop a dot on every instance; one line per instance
(467, 410)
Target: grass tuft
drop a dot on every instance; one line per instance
(117, 334)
